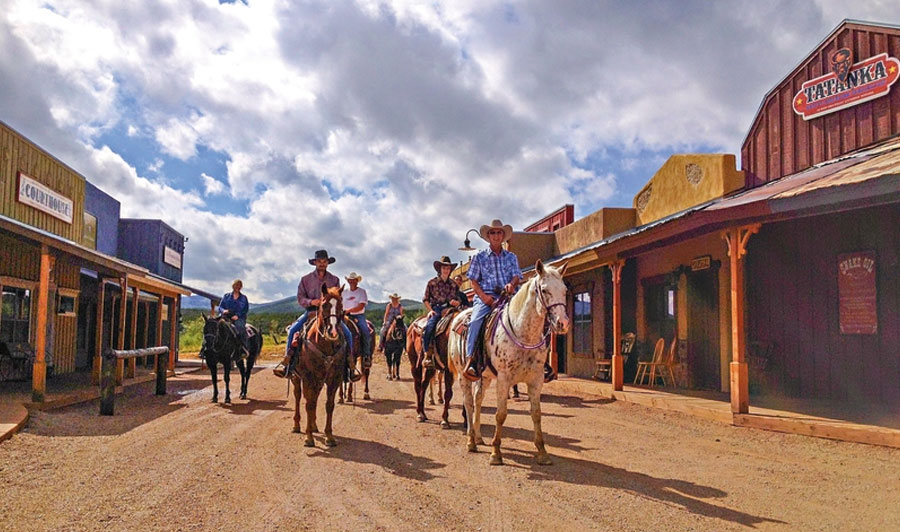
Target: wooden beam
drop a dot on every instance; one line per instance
(98, 333)
(39, 373)
(120, 345)
(159, 330)
(618, 368)
(132, 362)
(736, 239)
(173, 325)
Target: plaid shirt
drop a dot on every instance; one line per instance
(492, 272)
(439, 292)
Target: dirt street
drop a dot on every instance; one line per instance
(181, 463)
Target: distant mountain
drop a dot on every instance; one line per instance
(194, 302)
(289, 304)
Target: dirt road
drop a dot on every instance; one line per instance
(181, 463)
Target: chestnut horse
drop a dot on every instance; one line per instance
(322, 362)
(516, 349)
(364, 358)
(423, 376)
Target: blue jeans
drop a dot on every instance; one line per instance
(480, 311)
(298, 326)
(240, 327)
(432, 325)
(364, 331)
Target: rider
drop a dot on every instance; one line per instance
(309, 296)
(491, 272)
(391, 311)
(440, 293)
(234, 306)
(354, 304)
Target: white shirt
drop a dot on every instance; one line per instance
(352, 298)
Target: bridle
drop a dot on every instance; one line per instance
(508, 329)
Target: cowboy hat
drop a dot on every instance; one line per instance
(496, 224)
(321, 254)
(395, 295)
(354, 277)
(445, 261)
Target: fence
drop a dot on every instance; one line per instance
(108, 373)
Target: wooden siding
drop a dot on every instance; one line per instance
(18, 259)
(64, 344)
(792, 302)
(19, 154)
(780, 142)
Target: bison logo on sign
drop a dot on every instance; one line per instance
(841, 62)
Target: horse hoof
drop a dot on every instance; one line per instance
(296, 430)
(315, 429)
(215, 399)
(243, 396)
(366, 397)
(440, 401)
(422, 418)
(431, 402)
(544, 459)
(330, 442)
(228, 400)
(471, 447)
(340, 400)
(496, 459)
(445, 424)
(349, 399)
(309, 443)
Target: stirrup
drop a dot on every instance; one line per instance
(471, 372)
(355, 375)
(549, 374)
(279, 371)
(428, 361)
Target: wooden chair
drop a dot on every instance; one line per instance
(603, 369)
(667, 365)
(644, 368)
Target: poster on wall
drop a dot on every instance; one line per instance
(857, 293)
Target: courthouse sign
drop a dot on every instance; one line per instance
(42, 198)
(846, 85)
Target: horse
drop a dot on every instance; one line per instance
(515, 349)
(364, 358)
(394, 343)
(322, 362)
(221, 345)
(422, 376)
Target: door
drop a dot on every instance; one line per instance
(703, 357)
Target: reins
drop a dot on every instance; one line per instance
(504, 310)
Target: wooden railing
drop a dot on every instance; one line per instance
(108, 373)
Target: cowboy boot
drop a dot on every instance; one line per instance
(549, 374)
(428, 361)
(281, 370)
(471, 372)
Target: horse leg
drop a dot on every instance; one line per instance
(502, 398)
(447, 382)
(441, 387)
(312, 397)
(226, 376)
(329, 415)
(366, 372)
(242, 369)
(534, 396)
(430, 386)
(469, 413)
(214, 373)
(420, 382)
(296, 382)
(478, 387)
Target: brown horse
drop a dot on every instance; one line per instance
(364, 359)
(423, 376)
(322, 362)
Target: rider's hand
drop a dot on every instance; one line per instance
(234, 318)
(509, 288)
(315, 302)
(430, 313)
(488, 300)
(454, 303)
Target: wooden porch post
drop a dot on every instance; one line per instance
(98, 334)
(159, 331)
(173, 323)
(212, 308)
(123, 306)
(132, 342)
(39, 372)
(618, 368)
(554, 355)
(736, 239)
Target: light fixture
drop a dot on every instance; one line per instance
(467, 244)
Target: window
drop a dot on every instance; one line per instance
(66, 305)
(89, 236)
(15, 315)
(581, 326)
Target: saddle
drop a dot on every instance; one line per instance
(488, 326)
(442, 325)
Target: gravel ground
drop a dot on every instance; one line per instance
(181, 463)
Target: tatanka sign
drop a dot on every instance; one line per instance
(846, 85)
(42, 198)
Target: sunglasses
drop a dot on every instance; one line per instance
(497, 232)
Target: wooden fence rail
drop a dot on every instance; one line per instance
(108, 373)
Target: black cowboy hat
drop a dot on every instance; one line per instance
(321, 254)
(445, 261)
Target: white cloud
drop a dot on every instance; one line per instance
(384, 129)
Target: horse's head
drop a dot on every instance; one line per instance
(210, 332)
(330, 312)
(551, 295)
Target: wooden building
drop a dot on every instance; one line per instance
(65, 297)
(780, 278)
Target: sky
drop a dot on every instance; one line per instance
(383, 130)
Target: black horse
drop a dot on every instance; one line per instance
(222, 346)
(394, 344)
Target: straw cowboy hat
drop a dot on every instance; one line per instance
(445, 261)
(496, 224)
(395, 295)
(321, 254)
(354, 277)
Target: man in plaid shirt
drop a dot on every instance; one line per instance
(440, 293)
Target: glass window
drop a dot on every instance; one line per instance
(581, 329)
(90, 230)
(15, 315)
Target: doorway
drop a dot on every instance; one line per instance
(703, 355)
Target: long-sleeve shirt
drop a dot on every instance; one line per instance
(492, 271)
(239, 306)
(439, 291)
(310, 287)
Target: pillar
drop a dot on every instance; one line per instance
(618, 367)
(39, 372)
(736, 239)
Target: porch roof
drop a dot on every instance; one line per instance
(865, 178)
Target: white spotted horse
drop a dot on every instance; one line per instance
(515, 350)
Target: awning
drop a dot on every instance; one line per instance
(866, 178)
